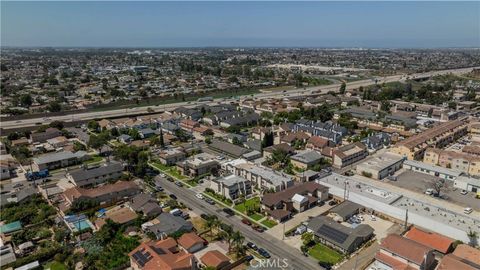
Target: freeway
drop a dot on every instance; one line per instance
(169, 107)
(275, 247)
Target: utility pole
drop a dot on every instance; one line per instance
(406, 220)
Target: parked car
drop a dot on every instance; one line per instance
(252, 246)
(246, 222)
(264, 253)
(464, 192)
(467, 210)
(204, 216)
(228, 211)
(199, 195)
(249, 258)
(429, 191)
(173, 196)
(210, 201)
(178, 183)
(185, 216)
(258, 228)
(332, 203)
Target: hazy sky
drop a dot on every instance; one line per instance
(190, 24)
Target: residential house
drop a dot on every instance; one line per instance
(337, 236)
(376, 141)
(42, 137)
(215, 259)
(57, 160)
(397, 252)
(298, 198)
(438, 242)
(147, 205)
(167, 224)
(191, 242)
(162, 254)
(119, 214)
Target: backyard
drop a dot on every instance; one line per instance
(325, 254)
(269, 223)
(93, 160)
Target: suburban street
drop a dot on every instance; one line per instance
(277, 248)
(169, 107)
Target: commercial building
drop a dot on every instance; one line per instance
(306, 158)
(467, 183)
(381, 166)
(349, 154)
(59, 159)
(162, 254)
(231, 186)
(422, 167)
(439, 136)
(94, 176)
(459, 161)
(397, 252)
(338, 236)
(281, 205)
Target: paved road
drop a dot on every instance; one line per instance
(276, 247)
(168, 107)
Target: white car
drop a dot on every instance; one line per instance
(200, 196)
(468, 210)
(464, 192)
(429, 191)
(373, 218)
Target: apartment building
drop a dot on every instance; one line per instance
(438, 136)
(327, 130)
(57, 160)
(171, 156)
(199, 164)
(459, 161)
(231, 186)
(85, 177)
(261, 177)
(349, 154)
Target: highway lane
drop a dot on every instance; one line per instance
(275, 247)
(168, 107)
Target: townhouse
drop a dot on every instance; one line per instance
(459, 161)
(349, 154)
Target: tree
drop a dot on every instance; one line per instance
(267, 139)
(438, 186)
(211, 223)
(238, 239)
(54, 106)
(93, 125)
(56, 124)
(26, 100)
(236, 141)
(473, 236)
(343, 88)
(162, 140)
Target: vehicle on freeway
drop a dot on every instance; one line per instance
(173, 196)
(252, 246)
(264, 253)
(464, 192)
(246, 222)
(178, 183)
(228, 211)
(159, 188)
(210, 201)
(199, 195)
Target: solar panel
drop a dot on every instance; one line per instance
(142, 258)
(333, 234)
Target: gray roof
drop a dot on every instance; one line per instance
(346, 208)
(228, 148)
(307, 157)
(432, 168)
(334, 232)
(84, 174)
(170, 224)
(231, 180)
(140, 200)
(58, 156)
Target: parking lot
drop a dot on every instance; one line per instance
(419, 182)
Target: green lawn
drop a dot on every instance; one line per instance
(219, 197)
(325, 254)
(94, 159)
(269, 223)
(55, 266)
(170, 170)
(256, 217)
(250, 203)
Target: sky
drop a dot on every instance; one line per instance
(241, 24)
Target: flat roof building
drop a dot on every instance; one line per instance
(380, 167)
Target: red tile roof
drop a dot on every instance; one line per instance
(392, 262)
(163, 255)
(432, 240)
(404, 247)
(214, 258)
(452, 262)
(188, 240)
(468, 253)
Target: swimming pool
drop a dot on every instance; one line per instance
(81, 225)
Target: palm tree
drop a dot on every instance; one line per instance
(473, 235)
(237, 239)
(211, 223)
